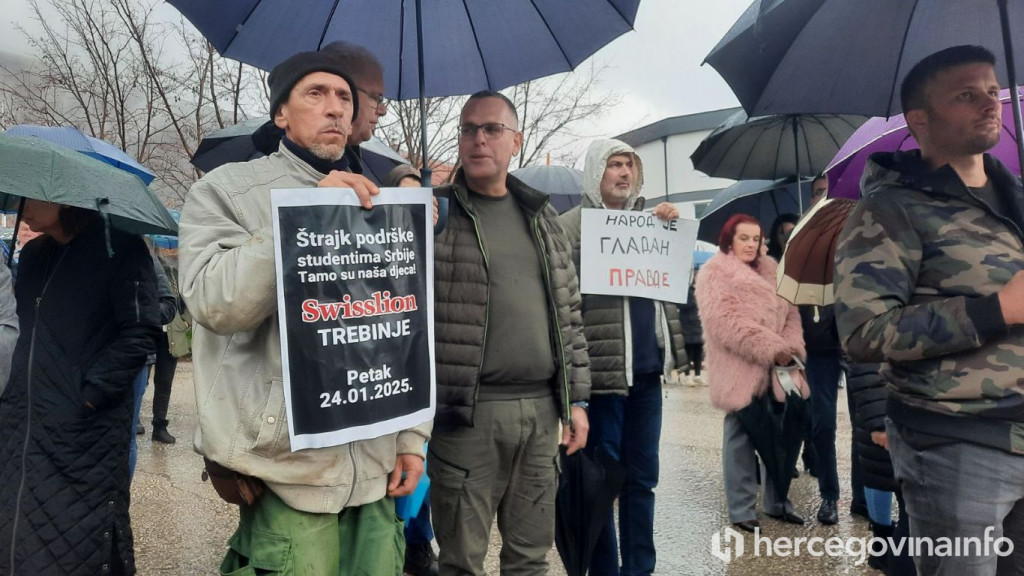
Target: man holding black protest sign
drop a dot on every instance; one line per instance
(641, 340)
(332, 508)
(511, 357)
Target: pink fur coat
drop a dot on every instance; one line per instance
(746, 325)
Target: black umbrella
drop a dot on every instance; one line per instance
(776, 430)
(236, 143)
(773, 147)
(840, 56)
(257, 137)
(762, 199)
(587, 488)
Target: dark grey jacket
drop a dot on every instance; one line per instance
(867, 389)
(607, 329)
(689, 317)
(461, 301)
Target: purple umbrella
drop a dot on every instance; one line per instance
(890, 135)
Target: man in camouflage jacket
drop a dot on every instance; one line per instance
(929, 281)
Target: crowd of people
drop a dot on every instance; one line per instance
(929, 292)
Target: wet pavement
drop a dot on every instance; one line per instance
(181, 527)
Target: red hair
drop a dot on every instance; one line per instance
(725, 237)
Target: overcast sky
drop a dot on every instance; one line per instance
(656, 68)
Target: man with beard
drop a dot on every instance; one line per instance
(929, 281)
(314, 511)
(634, 343)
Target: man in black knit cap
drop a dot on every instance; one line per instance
(321, 511)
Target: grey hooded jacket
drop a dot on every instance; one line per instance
(606, 319)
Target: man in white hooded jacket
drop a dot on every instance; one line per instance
(632, 343)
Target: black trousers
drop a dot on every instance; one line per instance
(163, 377)
(695, 353)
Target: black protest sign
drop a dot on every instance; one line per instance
(355, 296)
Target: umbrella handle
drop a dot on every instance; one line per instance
(14, 237)
(101, 207)
(442, 214)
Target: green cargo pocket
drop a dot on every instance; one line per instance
(264, 554)
(399, 545)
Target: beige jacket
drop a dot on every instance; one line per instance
(228, 281)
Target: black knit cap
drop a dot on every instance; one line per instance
(287, 74)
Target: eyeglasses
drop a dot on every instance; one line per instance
(492, 130)
(378, 99)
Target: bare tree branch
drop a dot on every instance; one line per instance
(551, 112)
(113, 70)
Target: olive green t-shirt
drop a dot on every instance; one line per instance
(518, 355)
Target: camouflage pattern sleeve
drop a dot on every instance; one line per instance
(879, 315)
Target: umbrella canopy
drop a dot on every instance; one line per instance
(564, 184)
(73, 138)
(776, 430)
(838, 56)
(807, 266)
(453, 48)
(828, 56)
(164, 240)
(257, 137)
(773, 147)
(587, 488)
(234, 143)
(466, 46)
(35, 168)
(890, 135)
(762, 199)
(700, 257)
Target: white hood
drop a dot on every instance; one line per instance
(597, 160)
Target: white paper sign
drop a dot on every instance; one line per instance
(628, 253)
(355, 304)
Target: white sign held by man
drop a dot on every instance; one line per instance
(629, 253)
(355, 305)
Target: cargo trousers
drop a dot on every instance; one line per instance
(275, 539)
(504, 465)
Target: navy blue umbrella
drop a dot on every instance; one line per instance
(452, 47)
(762, 199)
(74, 139)
(850, 57)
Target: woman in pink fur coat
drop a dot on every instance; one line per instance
(748, 329)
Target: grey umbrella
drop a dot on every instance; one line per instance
(38, 169)
(564, 184)
(840, 56)
(773, 147)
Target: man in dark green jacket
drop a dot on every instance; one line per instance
(929, 281)
(511, 356)
(634, 343)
